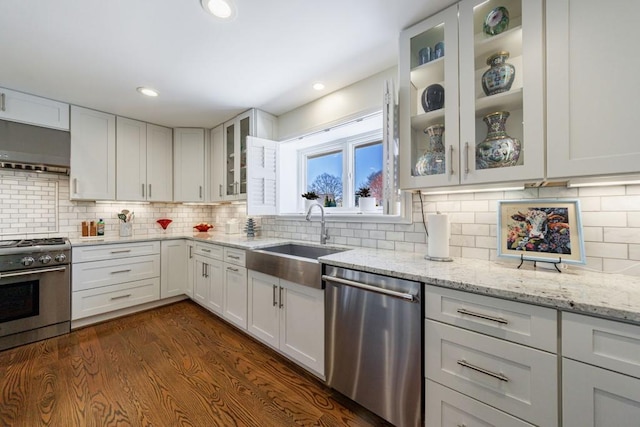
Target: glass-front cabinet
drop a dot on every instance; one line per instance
(236, 133)
(233, 185)
(471, 95)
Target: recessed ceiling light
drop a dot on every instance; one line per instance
(318, 86)
(147, 91)
(223, 9)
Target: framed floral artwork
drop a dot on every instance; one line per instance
(541, 230)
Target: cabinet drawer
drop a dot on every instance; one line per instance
(519, 380)
(234, 256)
(605, 343)
(209, 251)
(115, 251)
(447, 408)
(109, 298)
(514, 321)
(96, 274)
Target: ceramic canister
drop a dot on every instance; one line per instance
(433, 98)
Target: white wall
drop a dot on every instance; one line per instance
(352, 101)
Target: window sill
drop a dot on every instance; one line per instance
(349, 217)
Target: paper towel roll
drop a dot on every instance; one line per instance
(438, 229)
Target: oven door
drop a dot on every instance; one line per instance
(34, 299)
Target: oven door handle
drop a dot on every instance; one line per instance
(29, 272)
(401, 295)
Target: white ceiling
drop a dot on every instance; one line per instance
(95, 53)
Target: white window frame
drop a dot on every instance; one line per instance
(347, 146)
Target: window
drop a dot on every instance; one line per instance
(334, 163)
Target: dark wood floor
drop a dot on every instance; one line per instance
(178, 365)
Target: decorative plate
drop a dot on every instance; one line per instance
(496, 21)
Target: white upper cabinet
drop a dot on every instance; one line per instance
(592, 89)
(444, 143)
(216, 164)
(159, 163)
(33, 110)
(131, 159)
(234, 175)
(93, 155)
(144, 161)
(189, 165)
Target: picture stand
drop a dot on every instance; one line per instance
(555, 263)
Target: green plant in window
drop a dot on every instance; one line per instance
(310, 195)
(363, 192)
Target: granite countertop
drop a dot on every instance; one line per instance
(239, 241)
(614, 296)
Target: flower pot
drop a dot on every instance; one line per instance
(308, 203)
(367, 204)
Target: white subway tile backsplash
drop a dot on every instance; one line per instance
(604, 219)
(621, 235)
(592, 234)
(475, 229)
(607, 250)
(614, 190)
(621, 203)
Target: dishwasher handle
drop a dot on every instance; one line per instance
(401, 295)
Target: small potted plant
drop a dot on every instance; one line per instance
(309, 198)
(366, 202)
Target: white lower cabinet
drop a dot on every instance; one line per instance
(600, 372)
(288, 317)
(235, 287)
(173, 268)
(122, 276)
(191, 269)
(207, 276)
(473, 348)
(448, 408)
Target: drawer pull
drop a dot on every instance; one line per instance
(120, 271)
(483, 316)
(233, 269)
(124, 251)
(121, 297)
(483, 371)
(274, 295)
(233, 257)
(206, 250)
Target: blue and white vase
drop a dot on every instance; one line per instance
(433, 162)
(499, 77)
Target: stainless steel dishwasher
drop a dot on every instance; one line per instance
(374, 327)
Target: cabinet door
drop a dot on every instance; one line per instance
(24, 108)
(159, 164)
(416, 168)
(302, 325)
(189, 156)
(216, 164)
(263, 318)
(93, 155)
(592, 103)
(131, 159)
(173, 267)
(201, 282)
(231, 160)
(496, 157)
(191, 271)
(215, 275)
(235, 295)
(596, 397)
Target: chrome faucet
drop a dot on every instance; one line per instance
(324, 233)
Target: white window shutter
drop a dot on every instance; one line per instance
(390, 149)
(262, 170)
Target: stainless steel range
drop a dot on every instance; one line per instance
(35, 290)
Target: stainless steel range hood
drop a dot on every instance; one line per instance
(33, 148)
